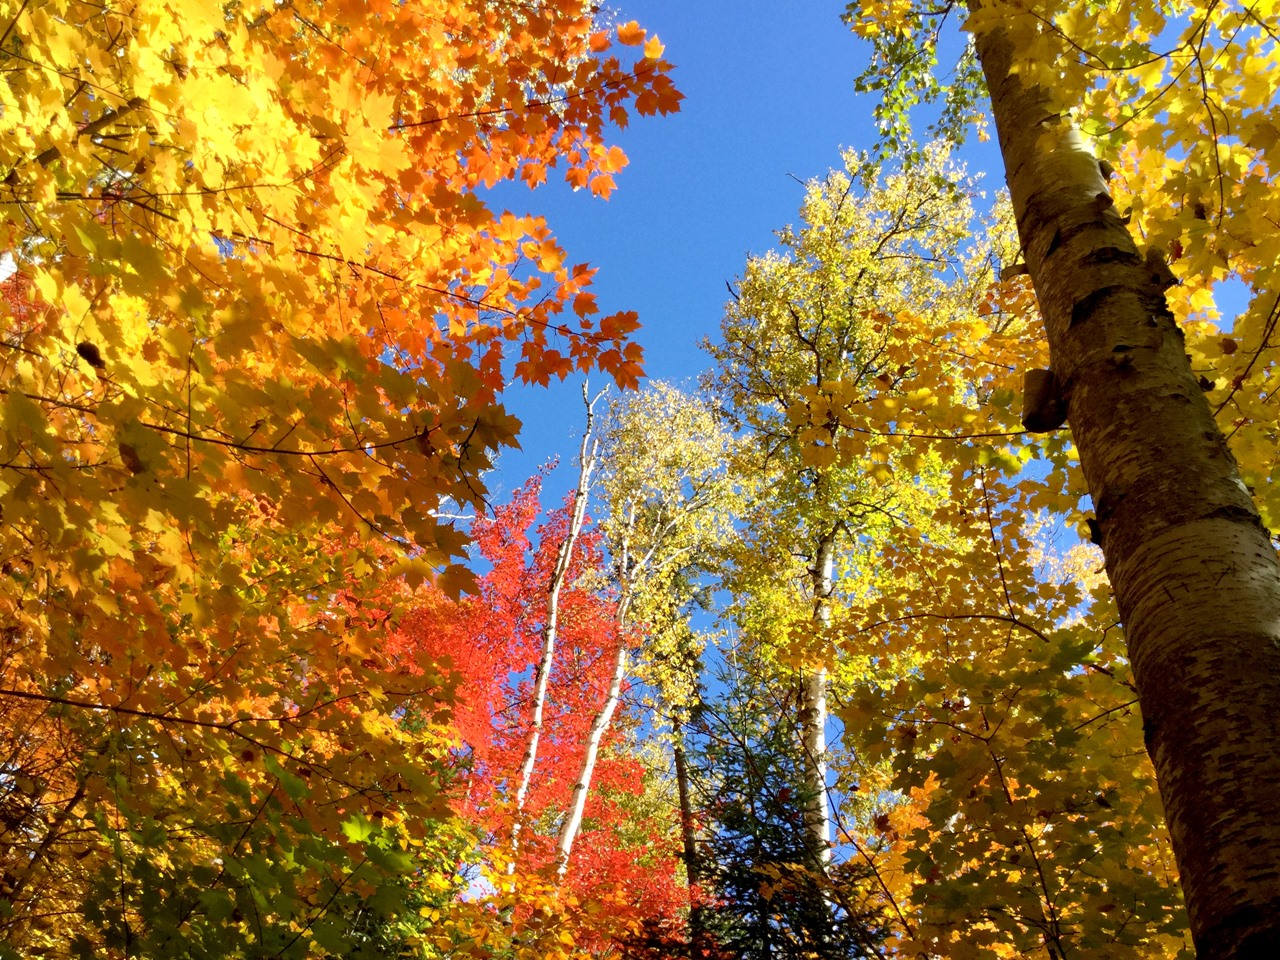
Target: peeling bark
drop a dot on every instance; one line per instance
(1193, 568)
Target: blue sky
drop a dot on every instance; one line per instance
(769, 102)
(769, 96)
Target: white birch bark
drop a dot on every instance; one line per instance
(1194, 570)
(630, 571)
(627, 572)
(813, 712)
(588, 457)
(651, 534)
(573, 820)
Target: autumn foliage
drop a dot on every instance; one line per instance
(819, 660)
(492, 640)
(259, 322)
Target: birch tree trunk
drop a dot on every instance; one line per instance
(1193, 568)
(632, 567)
(573, 819)
(813, 711)
(627, 572)
(588, 455)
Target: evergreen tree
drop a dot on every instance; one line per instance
(770, 895)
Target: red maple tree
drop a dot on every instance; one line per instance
(493, 639)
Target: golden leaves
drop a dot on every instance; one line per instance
(258, 334)
(980, 673)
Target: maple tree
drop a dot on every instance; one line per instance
(985, 780)
(257, 319)
(808, 325)
(496, 640)
(1175, 98)
(588, 457)
(256, 330)
(562, 623)
(1028, 822)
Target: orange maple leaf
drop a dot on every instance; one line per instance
(631, 34)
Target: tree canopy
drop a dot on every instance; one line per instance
(938, 620)
(260, 320)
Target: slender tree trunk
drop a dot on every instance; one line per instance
(1193, 569)
(813, 711)
(587, 458)
(573, 820)
(628, 570)
(688, 834)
